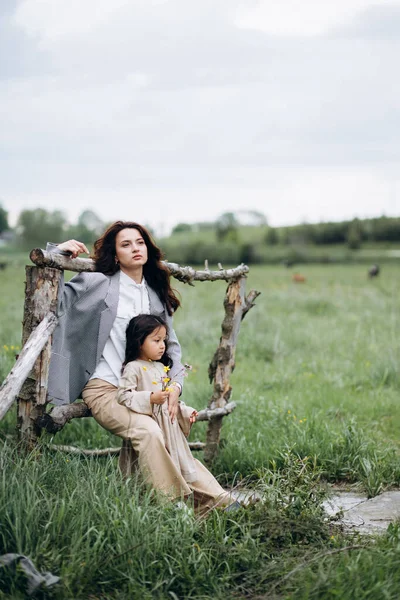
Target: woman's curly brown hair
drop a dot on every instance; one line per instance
(154, 271)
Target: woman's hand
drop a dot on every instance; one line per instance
(158, 397)
(193, 416)
(74, 247)
(173, 402)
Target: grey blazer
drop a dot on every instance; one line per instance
(87, 307)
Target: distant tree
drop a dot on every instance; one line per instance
(88, 228)
(227, 227)
(271, 237)
(248, 254)
(354, 235)
(254, 218)
(330, 233)
(38, 226)
(258, 217)
(204, 226)
(3, 220)
(285, 236)
(91, 221)
(182, 228)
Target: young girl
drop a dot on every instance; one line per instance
(144, 388)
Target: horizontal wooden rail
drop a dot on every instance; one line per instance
(107, 451)
(55, 420)
(43, 258)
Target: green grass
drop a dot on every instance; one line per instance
(317, 385)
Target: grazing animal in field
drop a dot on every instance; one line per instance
(373, 271)
(287, 263)
(297, 278)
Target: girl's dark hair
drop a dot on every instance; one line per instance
(154, 271)
(137, 331)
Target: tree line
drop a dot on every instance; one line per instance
(244, 236)
(37, 226)
(352, 233)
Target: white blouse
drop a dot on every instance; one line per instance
(133, 301)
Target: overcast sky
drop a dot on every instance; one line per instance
(164, 111)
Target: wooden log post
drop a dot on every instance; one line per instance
(13, 383)
(236, 306)
(41, 290)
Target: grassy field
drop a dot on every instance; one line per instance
(316, 383)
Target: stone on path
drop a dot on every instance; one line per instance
(363, 515)
(355, 511)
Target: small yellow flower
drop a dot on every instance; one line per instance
(154, 382)
(5, 347)
(301, 420)
(166, 369)
(289, 411)
(167, 389)
(144, 368)
(166, 379)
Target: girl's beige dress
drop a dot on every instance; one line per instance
(139, 379)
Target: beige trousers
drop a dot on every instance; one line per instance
(148, 441)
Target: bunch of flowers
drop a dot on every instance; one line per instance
(165, 380)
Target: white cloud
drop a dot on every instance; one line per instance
(304, 17)
(53, 19)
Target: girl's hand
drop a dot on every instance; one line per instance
(173, 402)
(74, 247)
(193, 416)
(158, 397)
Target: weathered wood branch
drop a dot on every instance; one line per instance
(208, 414)
(55, 420)
(107, 451)
(41, 290)
(249, 301)
(236, 305)
(14, 381)
(85, 451)
(197, 445)
(44, 258)
(59, 416)
(248, 304)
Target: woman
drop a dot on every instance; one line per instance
(89, 348)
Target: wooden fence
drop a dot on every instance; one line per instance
(27, 381)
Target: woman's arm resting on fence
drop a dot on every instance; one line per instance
(70, 247)
(69, 293)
